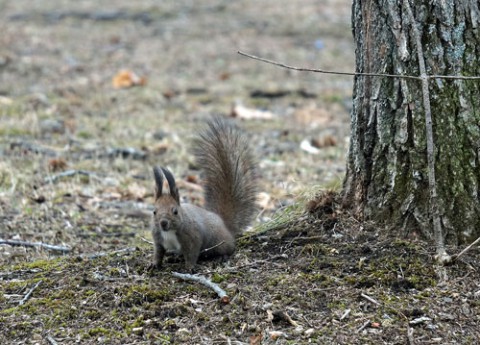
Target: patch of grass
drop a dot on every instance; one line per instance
(281, 218)
(15, 132)
(43, 264)
(143, 294)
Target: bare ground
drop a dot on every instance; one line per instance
(297, 277)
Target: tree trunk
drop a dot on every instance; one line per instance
(387, 175)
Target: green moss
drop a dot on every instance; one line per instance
(89, 293)
(320, 280)
(99, 331)
(44, 265)
(15, 132)
(141, 294)
(93, 315)
(218, 278)
(84, 134)
(163, 339)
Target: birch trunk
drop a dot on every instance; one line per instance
(387, 175)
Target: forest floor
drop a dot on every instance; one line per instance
(75, 172)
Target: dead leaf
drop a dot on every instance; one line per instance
(126, 78)
(192, 179)
(324, 141)
(57, 164)
(264, 201)
(269, 315)
(312, 116)
(276, 334)
(160, 148)
(256, 339)
(307, 146)
(136, 191)
(242, 112)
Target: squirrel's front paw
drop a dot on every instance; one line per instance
(154, 266)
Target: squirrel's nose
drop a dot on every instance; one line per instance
(164, 224)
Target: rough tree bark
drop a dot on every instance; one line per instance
(387, 176)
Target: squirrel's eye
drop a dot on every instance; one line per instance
(155, 212)
(174, 211)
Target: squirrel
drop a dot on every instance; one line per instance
(230, 187)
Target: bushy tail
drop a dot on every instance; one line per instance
(223, 153)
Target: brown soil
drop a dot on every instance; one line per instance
(298, 277)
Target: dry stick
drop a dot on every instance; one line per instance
(29, 293)
(411, 340)
(370, 299)
(365, 325)
(204, 281)
(466, 249)
(100, 254)
(36, 244)
(54, 178)
(50, 340)
(442, 256)
(213, 247)
(145, 240)
(316, 70)
(345, 314)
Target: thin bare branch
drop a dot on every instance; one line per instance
(316, 70)
(204, 281)
(370, 299)
(455, 257)
(386, 75)
(345, 314)
(54, 178)
(50, 340)
(29, 293)
(365, 325)
(212, 247)
(100, 254)
(442, 256)
(36, 244)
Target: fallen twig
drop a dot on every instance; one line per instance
(345, 314)
(370, 299)
(316, 70)
(365, 325)
(466, 249)
(36, 244)
(145, 240)
(442, 256)
(54, 178)
(411, 340)
(204, 281)
(215, 246)
(29, 293)
(50, 340)
(100, 254)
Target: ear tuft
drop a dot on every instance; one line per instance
(171, 184)
(158, 176)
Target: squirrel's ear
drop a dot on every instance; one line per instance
(171, 185)
(158, 175)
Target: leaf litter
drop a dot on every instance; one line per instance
(75, 173)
